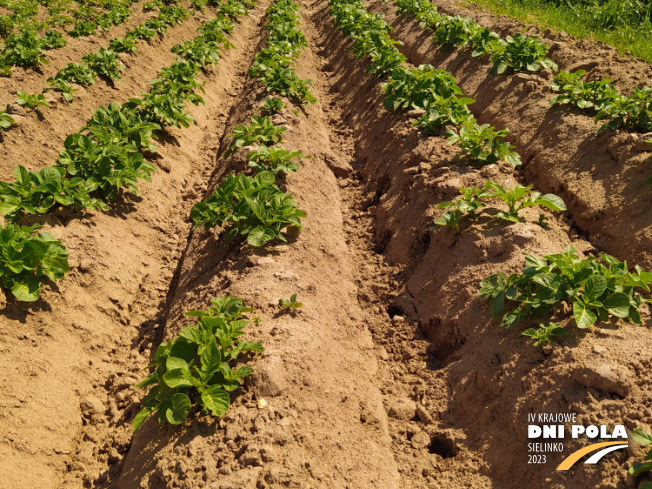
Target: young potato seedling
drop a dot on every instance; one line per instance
(31, 101)
(5, 120)
(260, 131)
(517, 198)
(290, 304)
(271, 106)
(545, 333)
(198, 366)
(276, 160)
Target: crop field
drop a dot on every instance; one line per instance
(336, 244)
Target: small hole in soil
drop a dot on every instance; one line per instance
(394, 311)
(443, 446)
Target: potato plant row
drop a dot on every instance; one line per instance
(632, 113)
(102, 160)
(104, 62)
(195, 367)
(423, 88)
(593, 289)
(273, 64)
(60, 13)
(513, 54)
(26, 48)
(521, 53)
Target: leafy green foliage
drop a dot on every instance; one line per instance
(371, 35)
(39, 192)
(31, 101)
(425, 87)
(252, 207)
(24, 49)
(109, 167)
(79, 73)
(198, 366)
(472, 199)
(164, 108)
(287, 83)
(123, 45)
(153, 5)
(156, 25)
(107, 154)
(583, 95)
(26, 258)
(519, 197)
(113, 124)
(453, 31)
(175, 15)
(484, 144)
(62, 87)
(422, 10)
(261, 131)
(104, 63)
(418, 88)
(291, 303)
(199, 51)
(545, 333)
(273, 64)
(232, 9)
(271, 106)
(466, 205)
(445, 111)
(83, 28)
(275, 160)
(592, 289)
(633, 113)
(52, 40)
(5, 120)
(639, 435)
(142, 32)
(520, 53)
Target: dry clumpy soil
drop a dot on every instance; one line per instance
(393, 373)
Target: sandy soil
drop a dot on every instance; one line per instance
(393, 374)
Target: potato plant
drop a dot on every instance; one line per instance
(473, 199)
(106, 156)
(418, 88)
(423, 88)
(520, 53)
(484, 144)
(545, 333)
(5, 120)
(27, 258)
(632, 113)
(271, 106)
(639, 435)
(279, 161)
(517, 53)
(594, 289)
(371, 35)
(40, 192)
(261, 131)
(31, 101)
(198, 366)
(290, 304)
(254, 208)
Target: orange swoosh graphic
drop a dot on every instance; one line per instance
(575, 456)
